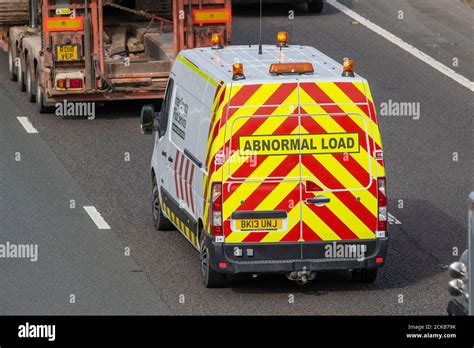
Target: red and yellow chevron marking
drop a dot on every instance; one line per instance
(276, 181)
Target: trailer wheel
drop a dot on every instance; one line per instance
(11, 64)
(30, 83)
(364, 275)
(210, 277)
(20, 76)
(315, 6)
(160, 222)
(41, 105)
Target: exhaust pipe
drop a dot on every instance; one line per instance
(33, 14)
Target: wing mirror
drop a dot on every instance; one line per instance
(147, 119)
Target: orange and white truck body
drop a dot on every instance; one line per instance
(64, 52)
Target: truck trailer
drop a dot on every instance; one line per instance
(103, 50)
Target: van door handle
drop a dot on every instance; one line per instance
(163, 153)
(170, 159)
(318, 200)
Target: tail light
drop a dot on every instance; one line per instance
(382, 205)
(75, 83)
(69, 83)
(216, 209)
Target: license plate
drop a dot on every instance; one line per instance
(259, 224)
(67, 53)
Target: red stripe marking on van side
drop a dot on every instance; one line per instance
(191, 192)
(176, 173)
(183, 158)
(186, 183)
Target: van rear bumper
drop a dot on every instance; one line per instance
(288, 257)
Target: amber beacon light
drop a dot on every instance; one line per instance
(238, 71)
(282, 39)
(291, 68)
(217, 41)
(348, 68)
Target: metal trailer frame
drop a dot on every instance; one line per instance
(134, 84)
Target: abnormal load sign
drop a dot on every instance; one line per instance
(293, 144)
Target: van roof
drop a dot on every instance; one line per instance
(217, 63)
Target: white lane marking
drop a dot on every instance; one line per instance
(97, 218)
(27, 125)
(392, 220)
(405, 46)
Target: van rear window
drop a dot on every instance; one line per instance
(263, 147)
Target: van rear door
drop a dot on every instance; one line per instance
(339, 199)
(261, 181)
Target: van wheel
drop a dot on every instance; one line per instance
(41, 105)
(364, 275)
(30, 84)
(20, 77)
(160, 222)
(315, 6)
(210, 277)
(11, 64)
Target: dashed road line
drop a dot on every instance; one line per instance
(392, 220)
(404, 45)
(27, 125)
(97, 218)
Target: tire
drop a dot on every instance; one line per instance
(315, 6)
(160, 222)
(210, 278)
(30, 83)
(364, 275)
(41, 105)
(11, 64)
(20, 77)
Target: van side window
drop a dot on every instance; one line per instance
(165, 109)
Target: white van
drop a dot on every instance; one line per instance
(270, 163)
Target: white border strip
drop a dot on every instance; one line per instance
(405, 46)
(27, 125)
(97, 218)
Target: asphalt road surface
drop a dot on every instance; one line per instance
(104, 163)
